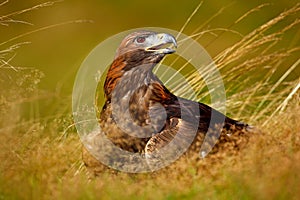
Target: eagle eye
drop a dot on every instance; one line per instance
(140, 39)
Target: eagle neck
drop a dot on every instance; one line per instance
(128, 76)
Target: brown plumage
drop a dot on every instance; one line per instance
(141, 115)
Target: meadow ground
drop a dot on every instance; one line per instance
(41, 158)
(38, 164)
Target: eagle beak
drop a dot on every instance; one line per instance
(162, 43)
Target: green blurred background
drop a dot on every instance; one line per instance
(58, 51)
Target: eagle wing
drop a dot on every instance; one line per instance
(187, 123)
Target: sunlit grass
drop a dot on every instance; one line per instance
(248, 68)
(40, 161)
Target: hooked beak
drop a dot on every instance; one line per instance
(162, 43)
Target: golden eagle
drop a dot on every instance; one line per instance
(140, 114)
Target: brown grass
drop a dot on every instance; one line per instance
(38, 163)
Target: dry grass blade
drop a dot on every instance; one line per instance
(197, 36)
(266, 97)
(258, 8)
(283, 105)
(4, 2)
(253, 39)
(189, 19)
(181, 31)
(45, 28)
(5, 19)
(250, 54)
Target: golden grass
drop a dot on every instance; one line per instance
(40, 161)
(39, 164)
(250, 65)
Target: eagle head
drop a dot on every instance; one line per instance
(146, 46)
(136, 56)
